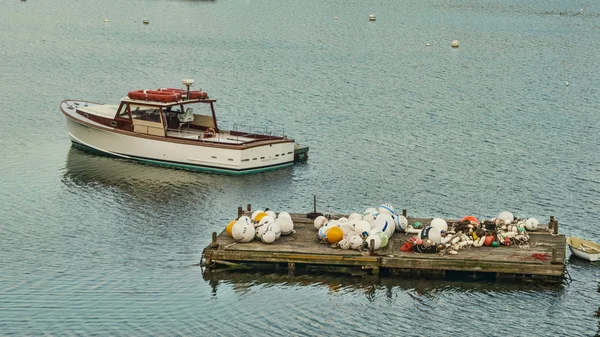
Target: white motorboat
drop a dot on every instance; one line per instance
(176, 128)
(584, 249)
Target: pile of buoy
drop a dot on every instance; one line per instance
(437, 236)
(266, 226)
(374, 227)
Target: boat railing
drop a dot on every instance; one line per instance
(256, 132)
(237, 135)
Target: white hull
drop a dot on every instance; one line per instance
(584, 249)
(153, 150)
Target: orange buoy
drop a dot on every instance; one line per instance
(471, 219)
(229, 227)
(335, 235)
(488, 240)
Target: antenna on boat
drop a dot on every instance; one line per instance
(188, 83)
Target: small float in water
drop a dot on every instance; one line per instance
(584, 249)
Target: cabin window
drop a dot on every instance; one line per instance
(145, 113)
(123, 113)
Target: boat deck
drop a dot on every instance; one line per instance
(542, 259)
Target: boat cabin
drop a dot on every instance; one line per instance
(169, 115)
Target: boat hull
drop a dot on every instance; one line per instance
(593, 250)
(150, 150)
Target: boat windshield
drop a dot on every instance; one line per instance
(146, 113)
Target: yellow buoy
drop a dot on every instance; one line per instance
(259, 216)
(335, 235)
(229, 227)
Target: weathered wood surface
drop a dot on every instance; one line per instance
(303, 247)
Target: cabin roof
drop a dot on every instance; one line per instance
(191, 101)
(103, 110)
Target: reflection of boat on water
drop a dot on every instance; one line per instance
(157, 184)
(178, 129)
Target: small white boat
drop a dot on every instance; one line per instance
(160, 127)
(584, 249)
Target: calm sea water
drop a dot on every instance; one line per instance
(98, 246)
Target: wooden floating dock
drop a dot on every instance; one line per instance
(542, 260)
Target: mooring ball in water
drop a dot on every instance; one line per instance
(272, 214)
(242, 232)
(344, 244)
(385, 208)
(470, 219)
(286, 225)
(507, 217)
(430, 233)
(266, 220)
(532, 224)
(440, 224)
(284, 215)
(229, 227)
(320, 221)
(355, 216)
(334, 235)
(362, 228)
(454, 44)
(356, 242)
(268, 237)
(376, 241)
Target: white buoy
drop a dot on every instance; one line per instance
(386, 208)
(272, 214)
(105, 20)
(430, 233)
(268, 237)
(344, 244)
(335, 17)
(372, 17)
(455, 44)
(320, 221)
(507, 217)
(376, 241)
(242, 232)
(427, 44)
(286, 225)
(567, 83)
(440, 224)
(362, 228)
(532, 224)
(146, 21)
(356, 242)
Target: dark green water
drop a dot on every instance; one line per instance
(97, 246)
